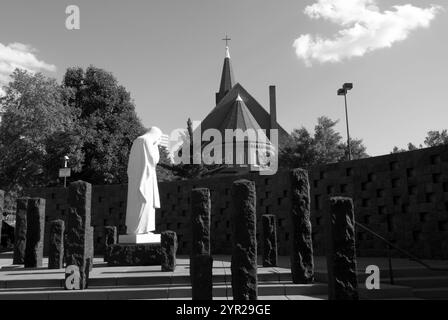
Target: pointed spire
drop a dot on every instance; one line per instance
(227, 52)
(227, 77)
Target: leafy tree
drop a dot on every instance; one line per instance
(107, 121)
(324, 146)
(436, 138)
(36, 131)
(164, 172)
(433, 139)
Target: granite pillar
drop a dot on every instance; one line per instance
(270, 255)
(341, 251)
(168, 250)
(79, 243)
(56, 245)
(20, 231)
(201, 266)
(302, 263)
(2, 210)
(35, 230)
(244, 249)
(200, 221)
(110, 238)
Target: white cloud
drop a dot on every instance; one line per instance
(364, 28)
(18, 55)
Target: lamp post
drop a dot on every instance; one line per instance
(65, 172)
(343, 92)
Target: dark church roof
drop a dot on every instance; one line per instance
(237, 116)
(254, 115)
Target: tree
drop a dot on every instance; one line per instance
(107, 122)
(436, 138)
(36, 132)
(433, 139)
(325, 146)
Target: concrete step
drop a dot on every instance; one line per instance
(432, 293)
(174, 292)
(397, 274)
(130, 279)
(385, 292)
(423, 282)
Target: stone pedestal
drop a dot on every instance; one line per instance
(35, 222)
(139, 238)
(79, 241)
(20, 231)
(134, 254)
(302, 263)
(341, 251)
(244, 252)
(269, 241)
(168, 251)
(56, 245)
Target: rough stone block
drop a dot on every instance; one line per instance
(302, 263)
(201, 267)
(79, 240)
(200, 221)
(269, 240)
(35, 229)
(341, 251)
(168, 250)
(120, 255)
(56, 245)
(20, 231)
(110, 238)
(244, 251)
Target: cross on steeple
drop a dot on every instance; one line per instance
(227, 39)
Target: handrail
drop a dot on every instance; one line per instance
(406, 253)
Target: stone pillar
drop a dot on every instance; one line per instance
(110, 238)
(341, 251)
(20, 231)
(302, 263)
(168, 241)
(79, 241)
(269, 240)
(201, 266)
(201, 262)
(200, 221)
(56, 245)
(35, 230)
(2, 210)
(244, 251)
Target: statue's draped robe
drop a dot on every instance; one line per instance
(143, 192)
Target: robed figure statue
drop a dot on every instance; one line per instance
(143, 191)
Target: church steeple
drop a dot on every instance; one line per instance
(227, 77)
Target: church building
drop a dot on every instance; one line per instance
(237, 109)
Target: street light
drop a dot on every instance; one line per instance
(343, 92)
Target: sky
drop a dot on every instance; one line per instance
(169, 55)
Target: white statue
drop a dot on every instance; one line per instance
(143, 191)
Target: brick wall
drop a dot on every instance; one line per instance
(109, 208)
(403, 197)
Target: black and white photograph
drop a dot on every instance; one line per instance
(225, 158)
